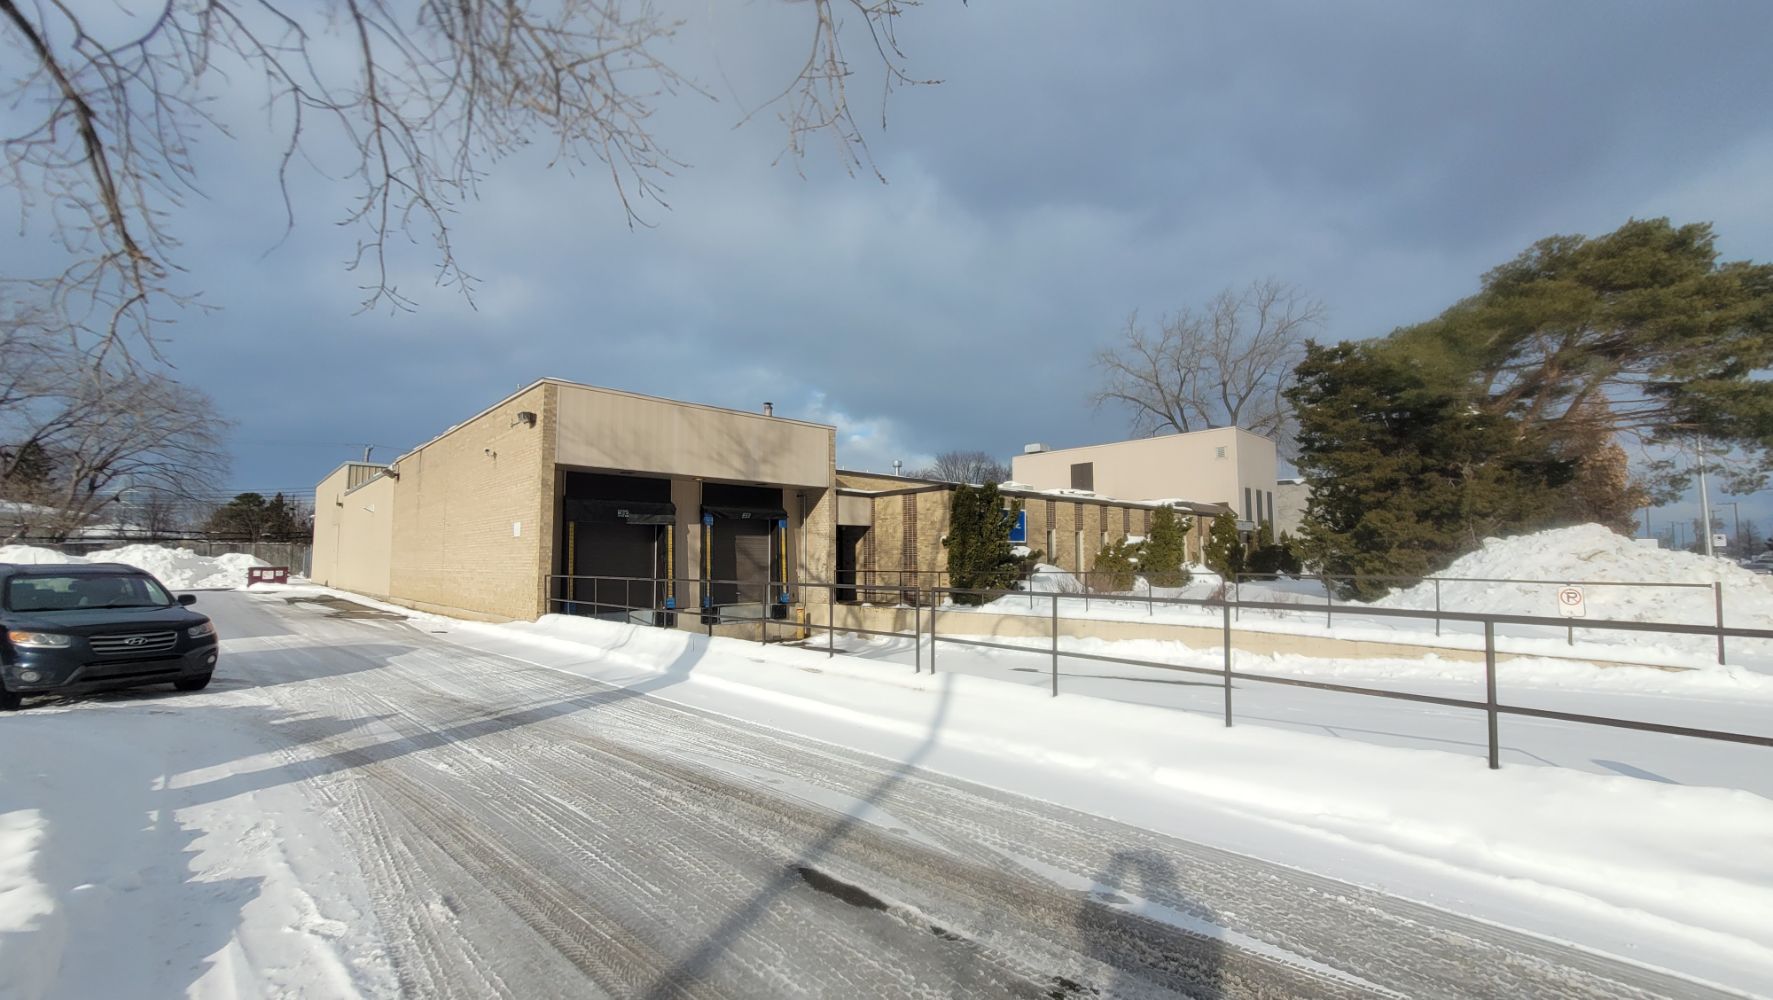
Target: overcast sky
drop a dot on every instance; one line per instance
(1078, 161)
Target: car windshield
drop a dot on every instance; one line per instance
(84, 590)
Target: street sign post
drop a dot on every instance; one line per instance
(1570, 603)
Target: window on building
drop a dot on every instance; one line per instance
(1270, 506)
(1083, 476)
(1219, 452)
(1247, 504)
(1052, 551)
(1080, 553)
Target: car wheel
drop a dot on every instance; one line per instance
(193, 683)
(10, 701)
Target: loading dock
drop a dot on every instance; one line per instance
(619, 531)
(744, 545)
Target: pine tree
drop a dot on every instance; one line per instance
(978, 542)
(1225, 549)
(1407, 473)
(1272, 555)
(1115, 568)
(245, 516)
(1163, 553)
(1642, 332)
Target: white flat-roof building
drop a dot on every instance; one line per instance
(1225, 465)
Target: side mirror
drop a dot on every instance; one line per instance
(187, 599)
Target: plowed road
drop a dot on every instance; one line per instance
(519, 832)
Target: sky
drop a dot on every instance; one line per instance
(1075, 163)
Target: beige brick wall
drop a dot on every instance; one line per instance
(353, 532)
(456, 502)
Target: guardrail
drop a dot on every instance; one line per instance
(1093, 586)
(944, 603)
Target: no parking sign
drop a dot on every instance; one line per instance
(1570, 602)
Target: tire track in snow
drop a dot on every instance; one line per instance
(552, 797)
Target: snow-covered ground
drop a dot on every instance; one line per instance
(1610, 567)
(1625, 859)
(365, 807)
(123, 874)
(178, 568)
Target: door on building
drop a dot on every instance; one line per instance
(746, 557)
(616, 546)
(849, 559)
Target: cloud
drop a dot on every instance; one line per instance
(1074, 165)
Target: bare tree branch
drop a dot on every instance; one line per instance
(1228, 364)
(426, 97)
(974, 467)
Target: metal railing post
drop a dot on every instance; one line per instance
(933, 606)
(1055, 644)
(1236, 580)
(831, 624)
(1227, 611)
(916, 637)
(1329, 602)
(1717, 596)
(1490, 692)
(1437, 605)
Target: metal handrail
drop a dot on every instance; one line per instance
(1490, 705)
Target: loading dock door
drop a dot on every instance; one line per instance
(741, 559)
(617, 550)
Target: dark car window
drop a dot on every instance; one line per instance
(84, 590)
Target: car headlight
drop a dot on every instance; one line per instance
(199, 631)
(40, 640)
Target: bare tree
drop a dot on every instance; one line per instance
(1226, 365)
(77, 433)
(424, 97)
(976, 467)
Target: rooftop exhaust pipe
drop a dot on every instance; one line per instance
(769, 409)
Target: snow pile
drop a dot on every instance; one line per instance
(1050, 579)
(180, 569)
(31, 555)
(1592, 554)
(183, 569)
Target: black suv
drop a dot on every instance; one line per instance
(69, 629)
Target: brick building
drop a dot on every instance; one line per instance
(572, 498)
(691, 506)
(890, 528)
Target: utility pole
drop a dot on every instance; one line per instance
(1736, 522)
(1704, 497)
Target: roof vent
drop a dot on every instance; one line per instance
(769, 409)
(1034, 449)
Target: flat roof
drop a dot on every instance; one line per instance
(665, 399)
(569, 384)
(1144, 440)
